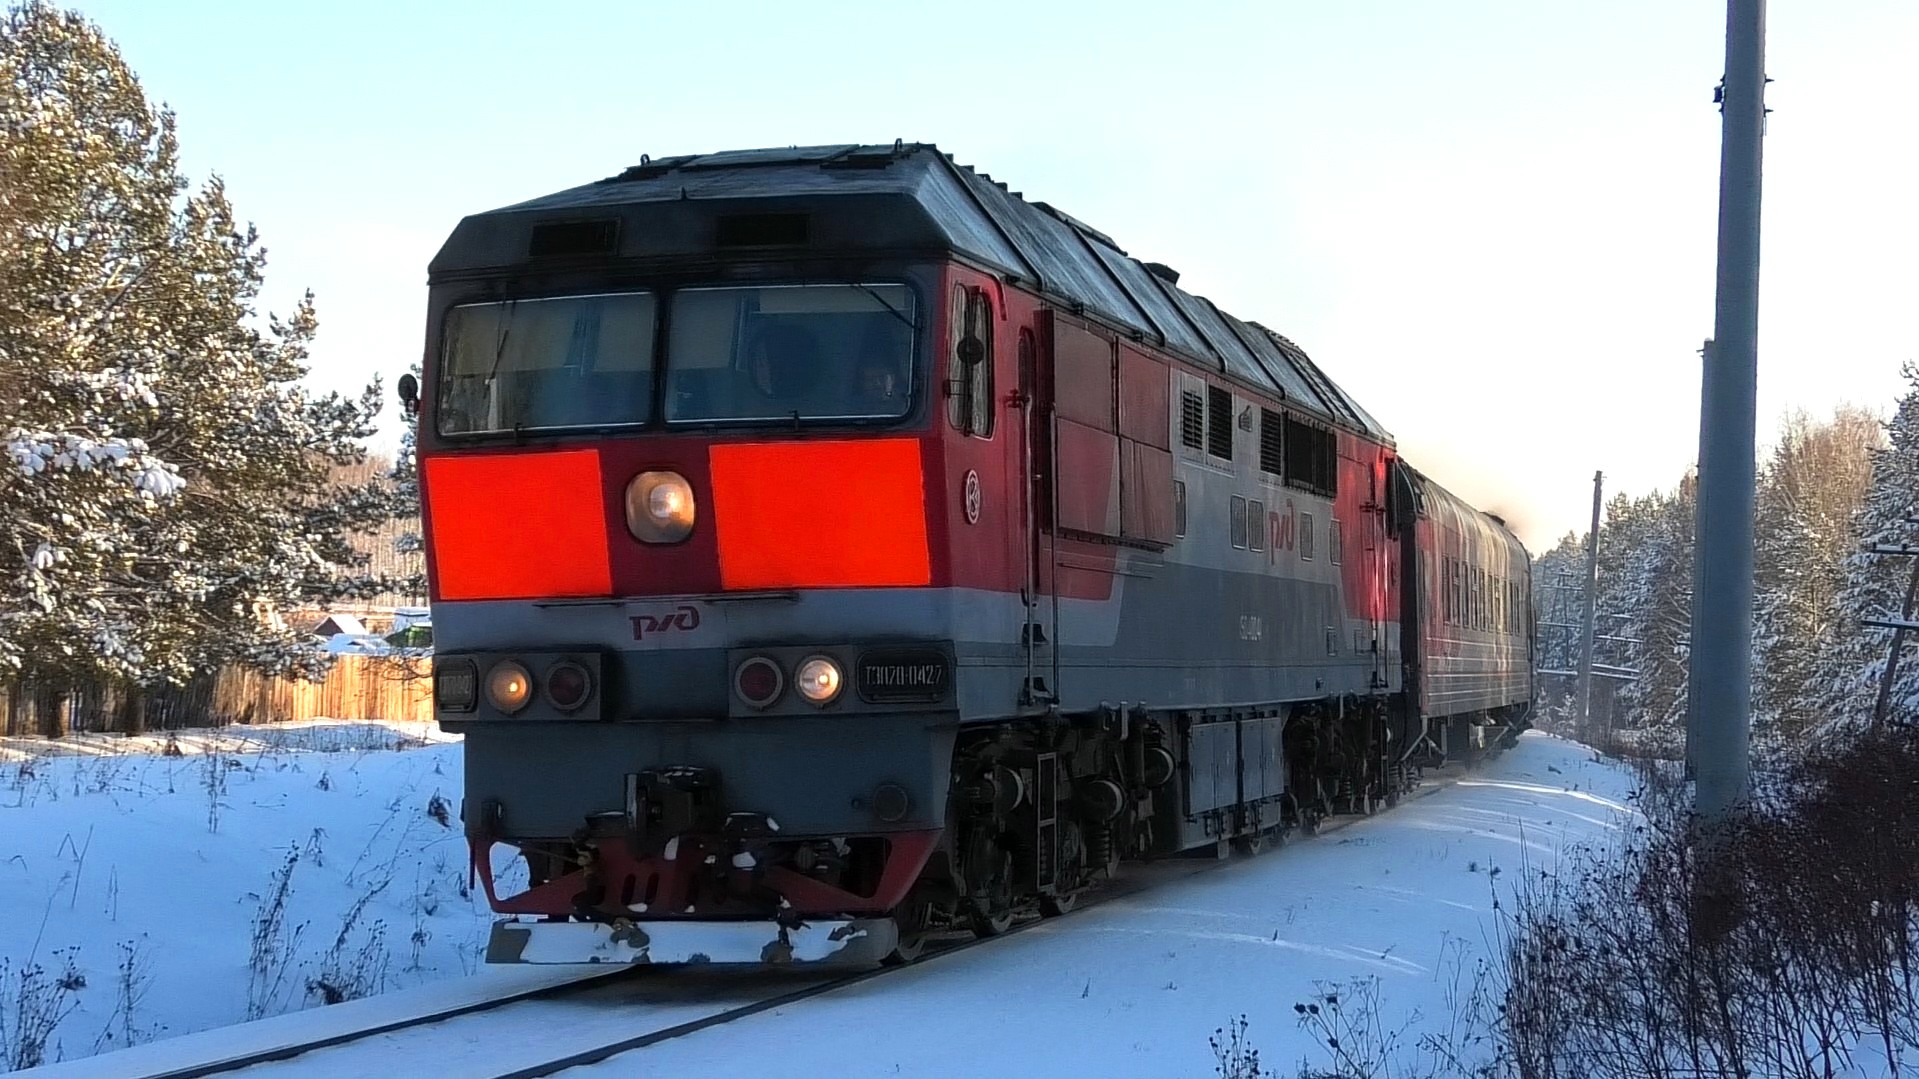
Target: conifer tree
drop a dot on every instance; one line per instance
(1874, 586)
(1809, 493)
(166, 482)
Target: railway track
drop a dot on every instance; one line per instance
(597, 1009)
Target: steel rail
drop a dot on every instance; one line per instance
(1144, 878)
(1118, 890)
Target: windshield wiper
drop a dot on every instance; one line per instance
(499, 346)
(890, 309)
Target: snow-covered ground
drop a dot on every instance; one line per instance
(1130, 987)
(1135, 987)
(152, 868)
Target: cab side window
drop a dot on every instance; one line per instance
(969, 385)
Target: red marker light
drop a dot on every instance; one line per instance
(568, 686)
(758, 681)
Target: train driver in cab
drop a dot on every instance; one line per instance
(879, 382)
(784, 367)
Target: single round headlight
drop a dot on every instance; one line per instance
(508, 687)
(818, 680)
(659, 507)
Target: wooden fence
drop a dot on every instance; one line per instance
(356, 688)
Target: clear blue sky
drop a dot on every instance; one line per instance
(1492, 221)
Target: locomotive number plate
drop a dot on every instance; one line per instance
(903, 674)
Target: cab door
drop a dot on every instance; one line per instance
(1037, 465)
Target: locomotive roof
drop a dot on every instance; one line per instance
(911, 196)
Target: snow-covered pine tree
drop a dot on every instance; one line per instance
(1875, 586)
(166, 481)
(1556, 574)
(1809, 493)
(1651, 587)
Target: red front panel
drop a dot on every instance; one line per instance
(846, 514)
(517, 525)
(542, 523)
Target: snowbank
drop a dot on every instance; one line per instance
(179, 882)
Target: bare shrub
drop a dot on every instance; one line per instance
(33, 1003)
(275, 944)
(1783, 944)
(1344, 1019)
(134, 976)
(356, 974)
(1233, 1056)
(351, 970)
(213, 778)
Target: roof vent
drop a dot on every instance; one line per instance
(762, 230)
(1163, 272)
(561, 239)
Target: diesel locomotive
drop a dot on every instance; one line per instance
(830, 548)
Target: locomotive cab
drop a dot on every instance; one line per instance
(689, 476)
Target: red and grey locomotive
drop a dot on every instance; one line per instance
(830, 547)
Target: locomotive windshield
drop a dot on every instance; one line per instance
(789, 352)
(576, 361)
(766, 353)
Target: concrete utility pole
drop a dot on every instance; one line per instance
(1721, 661)
(1586, 614)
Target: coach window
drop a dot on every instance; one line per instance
(1306, 537)
(1335, 541)
(1256, 525)
(1237, 507)
(969, 385)
(1459, 592)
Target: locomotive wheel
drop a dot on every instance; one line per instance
(990, 911)
(1250, 844)
(1072, 870)
(1052, 906)
(911, 920)
(991, 923)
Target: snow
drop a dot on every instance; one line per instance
(358, 644)
(171, 846)
(341, 625)
(1134, 986)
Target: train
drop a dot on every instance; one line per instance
(831, 550)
